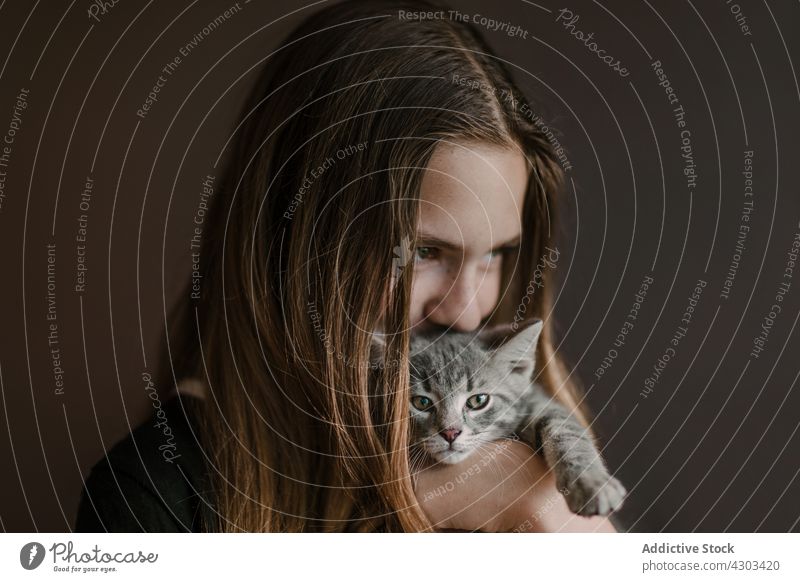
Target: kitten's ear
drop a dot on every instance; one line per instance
(519, 350)
(495, 335)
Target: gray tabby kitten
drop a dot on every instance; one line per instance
(466, 392)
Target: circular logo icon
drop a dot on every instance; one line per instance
(31, 555)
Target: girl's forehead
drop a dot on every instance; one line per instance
(472, 195)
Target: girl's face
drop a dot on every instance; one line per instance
(470, 218)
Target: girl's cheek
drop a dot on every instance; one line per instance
(420, 291)
(430, 286)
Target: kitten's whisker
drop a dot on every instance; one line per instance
(500, 448)
(485, 445)
(420, 458)
(516, 459)
(419, 462)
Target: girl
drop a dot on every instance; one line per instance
(386, 177)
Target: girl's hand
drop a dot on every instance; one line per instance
(503, 487)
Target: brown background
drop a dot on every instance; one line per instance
(713, 448)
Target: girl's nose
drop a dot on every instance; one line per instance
(456, 304)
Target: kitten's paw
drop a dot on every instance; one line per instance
(593, 493)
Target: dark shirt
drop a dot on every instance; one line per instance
(154, 480)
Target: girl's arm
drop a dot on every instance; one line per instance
(502, 488)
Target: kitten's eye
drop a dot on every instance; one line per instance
(477, 401)
(422, 403)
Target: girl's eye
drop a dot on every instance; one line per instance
(477, 401)
(425, 253)
(422, 403)
(492, 256)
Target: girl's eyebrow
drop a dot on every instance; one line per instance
(425, 239)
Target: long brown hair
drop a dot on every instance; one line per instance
(320, 189)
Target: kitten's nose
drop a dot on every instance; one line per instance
(450, 434)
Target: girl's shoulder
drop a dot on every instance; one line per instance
(153, 480)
